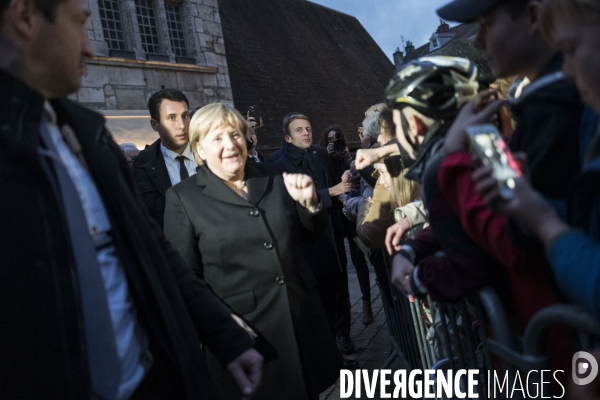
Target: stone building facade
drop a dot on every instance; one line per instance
(143, 46)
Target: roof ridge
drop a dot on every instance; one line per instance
(330, 9)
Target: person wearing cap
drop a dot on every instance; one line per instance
(549, 109)
(571, 26)
(548, 115)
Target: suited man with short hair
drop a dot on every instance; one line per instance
(299, 155)
(169, 160)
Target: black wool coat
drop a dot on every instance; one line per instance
(247, 252)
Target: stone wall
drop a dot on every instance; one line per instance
(118, 83)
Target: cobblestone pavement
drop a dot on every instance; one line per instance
(372, 342)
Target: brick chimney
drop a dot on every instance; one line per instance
(444, 27)
(409, 47)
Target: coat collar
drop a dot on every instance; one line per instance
(257, 180)
(20, 117)
(152, 161)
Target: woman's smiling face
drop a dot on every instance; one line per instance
(223, 149)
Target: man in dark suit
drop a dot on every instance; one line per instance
(168, 160)
(299, 155)
(96, 303)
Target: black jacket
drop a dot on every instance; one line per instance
(42, 345)
(274, 156)
(151, 180)
(321, 254)
(261, 158)
(548, 125)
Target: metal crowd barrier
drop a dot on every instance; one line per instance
(474, 333)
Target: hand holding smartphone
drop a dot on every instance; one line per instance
(254, 112)
(487, 144)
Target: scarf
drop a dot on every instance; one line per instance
(307, 161)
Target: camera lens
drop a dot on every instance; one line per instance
(339, 146)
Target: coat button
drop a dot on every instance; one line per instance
(254, 213)
(268, 245)
(280, 280)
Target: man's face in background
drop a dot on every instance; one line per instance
(300, 134)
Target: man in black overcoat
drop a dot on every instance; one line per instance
(299, 155)
(95, 302)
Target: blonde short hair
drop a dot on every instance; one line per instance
(577, 11)
(210, 117)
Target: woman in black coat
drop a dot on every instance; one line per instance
(238, 226)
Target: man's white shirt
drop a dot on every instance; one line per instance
(173, 165)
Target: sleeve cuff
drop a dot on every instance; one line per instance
(417, 286)
(317, 209)
(408, 253)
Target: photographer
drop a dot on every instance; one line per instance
(340, 159)
(333, 140)
(252, 140)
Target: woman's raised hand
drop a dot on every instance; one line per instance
(302, 189)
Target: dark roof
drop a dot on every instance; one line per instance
(462, 31)
(294, 55)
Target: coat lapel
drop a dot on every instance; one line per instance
(215, 188)
(258, 183)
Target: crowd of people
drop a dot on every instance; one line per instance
(198, 268)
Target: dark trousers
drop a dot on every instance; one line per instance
(356, 255)
(335, 298)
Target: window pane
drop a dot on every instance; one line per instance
(110, 16)
(174, 22)
(147, 24)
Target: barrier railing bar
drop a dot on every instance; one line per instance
(446, 347)
(423, 327)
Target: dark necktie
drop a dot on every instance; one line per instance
(183, 172)
(103, 359)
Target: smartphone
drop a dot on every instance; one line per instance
(254, 111)
(486, 142)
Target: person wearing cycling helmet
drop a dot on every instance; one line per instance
(473, 239)
(426, 95)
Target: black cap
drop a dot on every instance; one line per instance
(466, 10)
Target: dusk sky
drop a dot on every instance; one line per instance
(388, 20)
